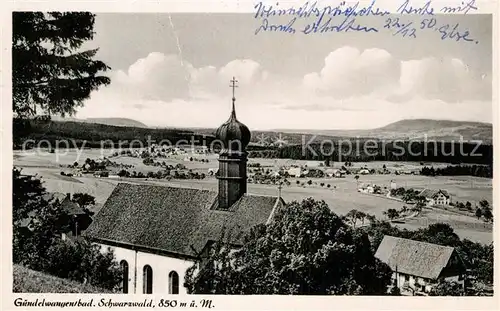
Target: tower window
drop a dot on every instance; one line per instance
(147, 277)
(124, 266)
(173, 283)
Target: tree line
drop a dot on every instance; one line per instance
(456, 170)
(95, 135)
(445, 152)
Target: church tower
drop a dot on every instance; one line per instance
(232, 174)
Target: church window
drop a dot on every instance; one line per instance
(173, 283)
(147, 277)
(124, 266)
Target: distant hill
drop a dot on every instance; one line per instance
(116, 122)
(106, 121)
(417, 129)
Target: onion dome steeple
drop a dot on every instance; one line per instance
(233, 132)
(232, 174)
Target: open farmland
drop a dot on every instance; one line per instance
(342, 196)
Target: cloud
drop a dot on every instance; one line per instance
(348, 72)
(210, 80)
(156, 76)
(448, 79)
(353, 89)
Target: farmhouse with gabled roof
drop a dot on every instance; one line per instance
(158, 232)
(436, 197)
(418, 266)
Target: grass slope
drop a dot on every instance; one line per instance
(30, 281)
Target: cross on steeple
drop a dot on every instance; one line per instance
(233, 85)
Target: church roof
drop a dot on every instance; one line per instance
(174, 220)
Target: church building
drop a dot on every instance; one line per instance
(158, 232)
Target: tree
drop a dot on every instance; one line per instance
(438, 233)
(40, 246)
(479, 213)
(418, 206)
(391, 213)
(354, 215)
(83, 261)
(468, 206)
(83, 199)
(356, 177)
(123, 173)
(48, 69)
(487, 214)
(484, 204)
(27, 204)
(371, 218)
(446, 288)
(305, 249)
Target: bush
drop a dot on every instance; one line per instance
(42, 248)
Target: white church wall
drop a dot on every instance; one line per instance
(161, 266)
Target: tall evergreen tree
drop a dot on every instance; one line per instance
(49, 71)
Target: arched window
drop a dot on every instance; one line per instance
(173, 283)
(124, 266)
(147, 277)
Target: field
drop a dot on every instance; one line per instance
(342, 195)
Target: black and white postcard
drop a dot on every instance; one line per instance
(249, 154)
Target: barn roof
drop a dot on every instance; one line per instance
(72, 208)
(175, 220)
(54, 197)
(413, 257)
(431, 193)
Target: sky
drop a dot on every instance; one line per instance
(174, 70)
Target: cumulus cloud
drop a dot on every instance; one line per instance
(354, 89)
(156, 76)
(348, 72)
(446, 79)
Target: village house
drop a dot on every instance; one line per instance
(76, 218)
(366, 188)
(330, 172)
(295, 171)
(436, 197)
(364, 171)
(418, 266)
(158, 232)
(393, 185)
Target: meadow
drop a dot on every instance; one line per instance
(342, 196)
